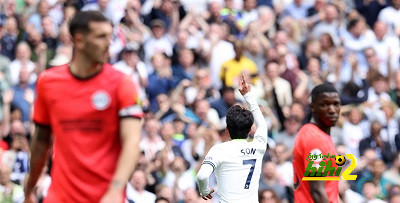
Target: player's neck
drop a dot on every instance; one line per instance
(324, 128)
(83, 68)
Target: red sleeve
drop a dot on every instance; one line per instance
(40, 110)
(128, 99)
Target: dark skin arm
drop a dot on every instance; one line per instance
(39, 153)
(317, 190)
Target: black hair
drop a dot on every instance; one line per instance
(226, 89)
(239, 122)
(352, 23)
(351, 89)
(322, 88)
(80, 22)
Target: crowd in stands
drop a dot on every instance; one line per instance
(187, 56)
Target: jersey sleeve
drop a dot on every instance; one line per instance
(203, 179)
(212, 158)
(128, 99)
(261, 134)
(41, 114)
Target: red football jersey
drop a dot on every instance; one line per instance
(84, 117)
(311, 139)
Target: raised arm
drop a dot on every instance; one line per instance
(262, 128)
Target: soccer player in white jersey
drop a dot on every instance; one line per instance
(237, 163)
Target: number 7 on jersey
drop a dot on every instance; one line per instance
(253, 163)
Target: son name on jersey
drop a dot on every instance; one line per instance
(248, 151)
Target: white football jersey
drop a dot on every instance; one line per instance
(237, 163)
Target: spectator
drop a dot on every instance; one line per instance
(394, 194)
(287, 61)
(9, 38)
(5, 78)
(20, 161)
(297, 10)
(131, 65)
(256, 47)
(269, 180)
(370, 9)
(131, 25)
(231, 70)
(160, 81)
(42, 10)
(357, 36)
(330, 24)
(268, 196)
(284, 168)
(104, 6)
(216, 51)
(393, 173)
(179, 177)
(9, 191)
(316, 13)
(348, 195)
(278, 91)
(205, 114)
(353, 131)
(389, 123)
(294, 33)
(186, 67)
(160, 42)
(192, 196)
(22, 61)
(387, 49)
(232, 17)
(165, 192)
(213, 15)
(135, 191)
(24, 95)
(395, 91)
(292, 125)
(380, 183)
(377, 93)
(193, 146)
(200, 87)
(370, 192)
(167, 11)
(375, 141)
(249, 12)
(227, 100)
(151, 143)
(390, 16)
(162, 200)
(49, 34)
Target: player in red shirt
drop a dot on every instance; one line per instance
(89, 112)
(314, 138)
